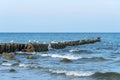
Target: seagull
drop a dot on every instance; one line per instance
(53, 42)
(49, 46)
(44, 42)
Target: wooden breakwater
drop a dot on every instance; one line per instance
(30, 47)
(37, 47)
(61, 45)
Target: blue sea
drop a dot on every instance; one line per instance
(98, 61)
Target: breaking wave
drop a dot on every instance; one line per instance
(85, 73)
(6, 64)
(72, 73)
(9, 64)
(25, 53)
(61, 56)
(71, 57)
(28, 66)
(74, 51)
(78, 51)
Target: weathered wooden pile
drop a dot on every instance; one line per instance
(37, 47)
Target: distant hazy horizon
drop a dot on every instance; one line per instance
(59, 16)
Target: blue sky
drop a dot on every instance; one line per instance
(59, 16)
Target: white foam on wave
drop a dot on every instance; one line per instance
(28, 66)
(72, 51)
(6, 64)
(62, 56)
(25, 53)
(23, 65)
(72, 73)
(69, 56)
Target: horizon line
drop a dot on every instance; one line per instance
(60, 32)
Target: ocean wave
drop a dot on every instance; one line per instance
(85, 73)
(61, 56)
(6, 64)
(95, 58)
(25, 53)
(9, 64)
(28, 66)
(77, 51)
(74, 51)
(71, 57)
(72, 73)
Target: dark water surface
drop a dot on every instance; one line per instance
(99, 61)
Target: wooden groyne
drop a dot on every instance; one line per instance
(37, 47)
(61, 45)
(30, 47)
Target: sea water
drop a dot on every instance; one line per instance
(98, 61)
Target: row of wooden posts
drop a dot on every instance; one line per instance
(37, 47)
